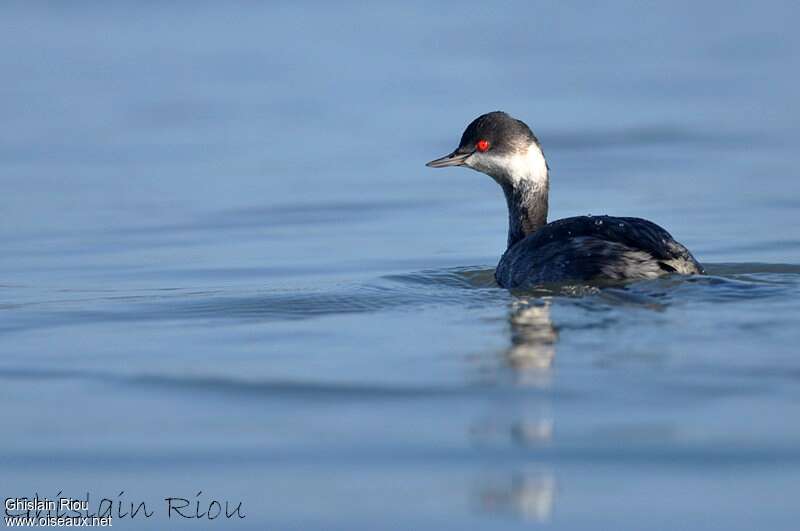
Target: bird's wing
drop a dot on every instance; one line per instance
(635, 233)
(590, 247)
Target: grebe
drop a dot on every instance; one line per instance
(583, 248)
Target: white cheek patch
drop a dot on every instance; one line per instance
(490, 164)
(527, 166)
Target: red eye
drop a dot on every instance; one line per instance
(482, 145)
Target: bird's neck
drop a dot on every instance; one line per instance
(526, 185)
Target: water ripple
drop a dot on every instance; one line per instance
(286, 389)
(464, 286)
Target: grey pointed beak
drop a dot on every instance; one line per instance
(453, 159)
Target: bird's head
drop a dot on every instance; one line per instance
(500, 146)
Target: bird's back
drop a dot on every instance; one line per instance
(594, 248)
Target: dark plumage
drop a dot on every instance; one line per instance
(593, 248)
(505, 134)
(584, 248)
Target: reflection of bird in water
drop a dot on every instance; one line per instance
(527, 423)
(533, 337)
(530, 496)
(530, 357)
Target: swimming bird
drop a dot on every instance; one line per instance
(577, 249)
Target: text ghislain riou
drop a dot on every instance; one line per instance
(119, 507)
